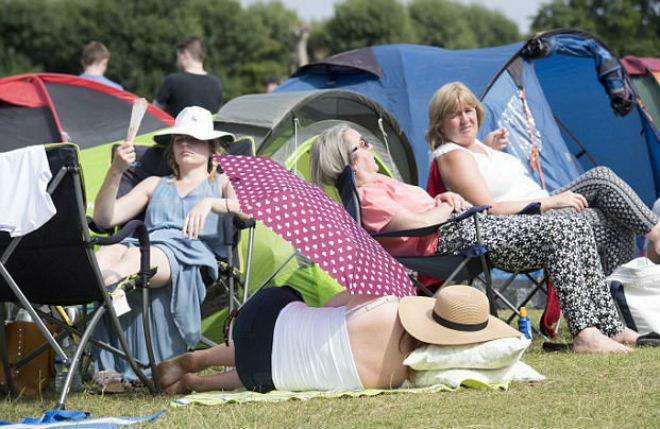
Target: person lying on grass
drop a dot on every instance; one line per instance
(353, 342)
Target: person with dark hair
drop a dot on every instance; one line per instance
(94, 59)
(185, 232)
(192, 86)
(272, 83)
(352, 342)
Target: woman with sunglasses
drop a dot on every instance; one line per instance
(516, 243)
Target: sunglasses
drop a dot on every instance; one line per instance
(362, 144)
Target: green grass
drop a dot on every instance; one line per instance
(581, 391)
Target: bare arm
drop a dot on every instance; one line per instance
(460, 172)
(193, 224)
(405, 219)
(110, 211)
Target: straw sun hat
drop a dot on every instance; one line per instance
(458, 315)
(192, 121)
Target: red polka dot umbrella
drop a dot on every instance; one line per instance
(316, 225)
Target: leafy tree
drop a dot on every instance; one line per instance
(244, 45)
(491, 28)
(626, 26)
(359, 23)
(442, 23)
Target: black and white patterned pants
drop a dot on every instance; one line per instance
(564, 245)
(615, 213)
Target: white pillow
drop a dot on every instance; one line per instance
(494, 354)
(490, 378)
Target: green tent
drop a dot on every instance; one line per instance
(281, 122)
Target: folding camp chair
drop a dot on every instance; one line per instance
(436, 186)
(56, 265)
(471, 262)
(226, 291)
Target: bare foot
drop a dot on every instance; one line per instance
(627, 336)
(591, 340)
(171, 371)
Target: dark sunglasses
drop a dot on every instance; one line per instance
(362, 144)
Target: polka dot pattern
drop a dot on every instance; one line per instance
(316, 225)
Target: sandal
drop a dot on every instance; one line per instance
(651, 339)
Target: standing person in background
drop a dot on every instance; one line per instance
(94, 59)
(192, 86)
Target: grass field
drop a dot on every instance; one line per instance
(581, 391)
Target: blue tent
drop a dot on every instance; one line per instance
(582, 108)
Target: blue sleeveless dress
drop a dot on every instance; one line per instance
(174, 316)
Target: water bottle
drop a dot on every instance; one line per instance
(524, 324)
(62, 370)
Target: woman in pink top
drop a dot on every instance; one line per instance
(564, 245)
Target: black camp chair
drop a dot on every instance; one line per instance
(226, 291)
(470, 263)
(56, 265)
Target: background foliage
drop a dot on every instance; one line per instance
(246, 45)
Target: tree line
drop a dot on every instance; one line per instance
(247, 45)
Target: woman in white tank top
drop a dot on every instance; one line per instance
(484, 176)
(377, 342)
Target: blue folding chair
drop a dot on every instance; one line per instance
(467, 265)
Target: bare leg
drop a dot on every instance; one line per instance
(224, 381)
(173, 370)
(119, 261)
(627, 336)
(591, 340)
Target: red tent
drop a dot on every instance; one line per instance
(40, 108)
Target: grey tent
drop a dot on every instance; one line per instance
(283, 125)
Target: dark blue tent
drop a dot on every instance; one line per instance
(582, 108)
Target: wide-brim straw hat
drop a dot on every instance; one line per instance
(457, 316)
(192, 121)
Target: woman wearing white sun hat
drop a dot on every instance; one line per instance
(182, 217)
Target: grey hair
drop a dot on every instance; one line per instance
(329, 155)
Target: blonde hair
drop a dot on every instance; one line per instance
(215, 148)
(445, 102)
(329, 155)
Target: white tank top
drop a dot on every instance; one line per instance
(505, 176)
(312, 351)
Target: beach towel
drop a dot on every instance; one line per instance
(76, 419)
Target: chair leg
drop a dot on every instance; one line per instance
(10, 389)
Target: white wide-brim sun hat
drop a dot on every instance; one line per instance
(192, 121)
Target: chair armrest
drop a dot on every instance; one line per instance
(127, 230)
(97, 228)
(244, 223)
(531, 209)
(431, 229)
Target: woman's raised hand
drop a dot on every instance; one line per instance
(193, 224)
(124, 156)
(457, 202)
(565, 199)
(497, 139)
